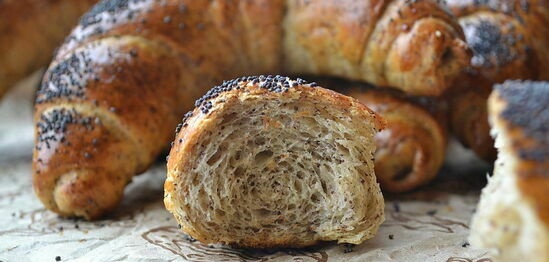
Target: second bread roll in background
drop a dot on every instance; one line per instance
(509, 40)
(412, 148)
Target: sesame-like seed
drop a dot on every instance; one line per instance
(53, 125)
(133, 53)
(490, 45)
(66, 80)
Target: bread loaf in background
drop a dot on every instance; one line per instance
(509, 40)
(31, 30)
(412, 148)
(270, 162)
(513, 213)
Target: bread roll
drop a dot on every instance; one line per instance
(270, 162)
(513, 213)
(509, 40)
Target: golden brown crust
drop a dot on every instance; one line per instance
(106, 92)
(30, 30)
(411, 149)
(203, 104)
(355, 46)
(414, 46)
(86, 181)
(521, 109)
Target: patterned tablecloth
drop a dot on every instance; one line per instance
(430, 224)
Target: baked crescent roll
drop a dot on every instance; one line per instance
(31, 30)
(130, 69)
(269, 162)
(513, 213)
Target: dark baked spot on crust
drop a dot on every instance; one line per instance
(490, 46)
(277, 84)
(528, 109)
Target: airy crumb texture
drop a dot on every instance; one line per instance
(513, 213)
(268, 162)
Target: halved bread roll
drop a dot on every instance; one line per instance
(513, 213)
(268, 161)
